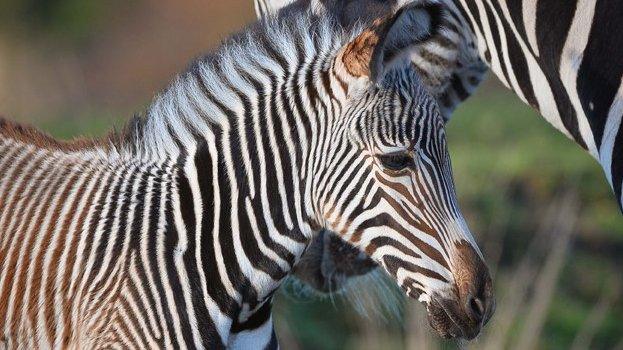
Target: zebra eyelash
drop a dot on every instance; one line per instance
(397, 161)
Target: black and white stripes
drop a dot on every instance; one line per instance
(561, 57)
(564, 59)
(177, 232)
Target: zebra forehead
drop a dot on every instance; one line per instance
(393, 126)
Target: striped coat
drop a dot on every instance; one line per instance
(176, 232)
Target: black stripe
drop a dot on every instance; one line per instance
(171, 237)
(600, 73)
(255, 321)
(215, 287)
(495, 33)
(209, 335)
(515, 10)
(247, 237)
(516, 56)
(392, 264)
(137, 225)
(152, 248)
(116, 199)
(551, 38)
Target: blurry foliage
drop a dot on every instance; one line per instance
(71, 20)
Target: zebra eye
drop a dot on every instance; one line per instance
(397, 161)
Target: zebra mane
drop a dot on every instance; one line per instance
(280, 44)
(30, 135)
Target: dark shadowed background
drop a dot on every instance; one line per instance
(539, 205)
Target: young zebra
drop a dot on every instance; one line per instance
(176, 232)
(569, 70)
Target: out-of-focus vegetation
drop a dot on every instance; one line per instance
(539, 206)
(69, 19)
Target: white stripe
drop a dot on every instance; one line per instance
(71, 235)
(41, 232)
(514, 85)
(257, 338)
(218, 253)
(161, 251)
(611, 129)
(181, 249)
(51, 250)
(540, 85)
(82, 298)
(151, 328)
(221, 322)
(570, 62)
(529, 22)
(146, 235)
(25, 205)
(496, 65)
(11, 188)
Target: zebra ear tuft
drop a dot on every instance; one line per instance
(383, 44)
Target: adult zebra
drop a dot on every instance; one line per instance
(570, 69)
(176, 232)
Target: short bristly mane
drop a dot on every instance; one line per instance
(280, 39)
(30, 135)
(183, 102)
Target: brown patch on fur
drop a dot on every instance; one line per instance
(30, 135)
(471, 275)
(358, 53)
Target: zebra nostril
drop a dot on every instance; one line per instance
(476, 306)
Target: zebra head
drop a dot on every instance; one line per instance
(383, 178)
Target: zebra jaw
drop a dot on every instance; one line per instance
(330, 265)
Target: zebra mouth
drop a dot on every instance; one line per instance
(448, 319)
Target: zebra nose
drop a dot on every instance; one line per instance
(474, 286)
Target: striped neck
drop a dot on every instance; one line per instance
(243, 126)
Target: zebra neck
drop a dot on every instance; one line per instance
(241, 127)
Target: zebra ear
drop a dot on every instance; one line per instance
(387, 41)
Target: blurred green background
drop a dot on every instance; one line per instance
(539, 206)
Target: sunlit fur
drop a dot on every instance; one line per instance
(177, 232)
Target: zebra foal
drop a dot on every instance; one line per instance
(569, 70)
(176, 232)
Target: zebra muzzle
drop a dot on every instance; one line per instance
(471, 303)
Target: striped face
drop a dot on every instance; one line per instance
(385, 184)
